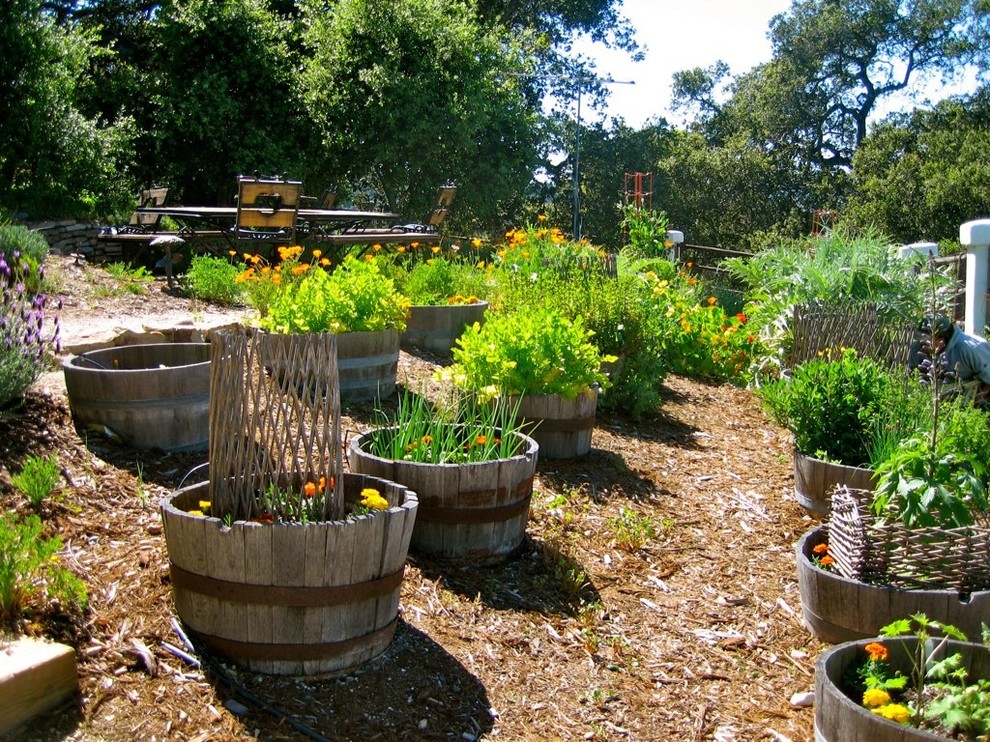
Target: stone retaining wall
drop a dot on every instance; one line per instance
(66, 236)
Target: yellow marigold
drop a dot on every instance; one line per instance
(317, 253)
(435, 249)
(475, 242)
(371, 499)
(895, 712)
(196, 512)
(877, 651)
(875, 697)
(401, 248)
(541, 218)
(205, 505)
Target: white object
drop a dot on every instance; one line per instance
(975, 237)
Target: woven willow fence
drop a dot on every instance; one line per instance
(275, 422)
(867, 549)
(823, 330)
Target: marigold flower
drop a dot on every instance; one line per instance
(205, 505)
(711, 300)
(877, 651)
(197, 512)
(309, 489)
(435, 249)
(820, 549)
(480, 440)
(476, 242)
(741, 317)
(372, 500)
(874, 697)
(895, 712)
(317, 253)
(826, 561)
(541, 218)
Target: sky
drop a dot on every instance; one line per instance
(680, 35)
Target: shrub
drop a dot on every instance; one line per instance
(214, 279)
(828, 405)
(25, 252)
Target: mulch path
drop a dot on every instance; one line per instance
(694, 634)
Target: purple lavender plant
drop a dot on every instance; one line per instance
(25, 347)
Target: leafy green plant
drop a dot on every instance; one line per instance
(356, 297)
(828, 405)
(30, 570)
(631, 531)
(937, 693)
(527, 352)
(456, 431)
(439, 280)
(126, 272)
(647, 232)
(214, 279)
(25, 252)
(37, 478)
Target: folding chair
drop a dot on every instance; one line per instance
(267, 209)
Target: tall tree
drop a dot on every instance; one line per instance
(919, 176)
(410, 95)
(56, 158)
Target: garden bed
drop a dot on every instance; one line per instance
(694, 634)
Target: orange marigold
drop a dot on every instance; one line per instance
(820, 549)
(878, 652)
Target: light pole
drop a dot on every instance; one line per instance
(581, 79)
(576, 207)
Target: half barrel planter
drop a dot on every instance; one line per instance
(291, 598)
(840, 718)
(838, 609)
(154, 396)
(367, 364)
(436, 327)
(474, 512)
(561, 426)
(815, 480)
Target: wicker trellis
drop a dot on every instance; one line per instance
(823, 329)
(274, 421)
(867, 549)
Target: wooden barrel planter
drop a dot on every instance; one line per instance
(839, 718)
(561, 426)
(151, 396)
(436, 327)
(367, 364)
(815, 481)
(838, 609)
(291, 598)
(475, 511)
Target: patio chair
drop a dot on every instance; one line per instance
(140, 223)
(267, 209)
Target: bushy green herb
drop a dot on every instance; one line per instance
(828, 405)
(527, 352)
(29, 568)
(631, 531)
(37, 479)
(214, 279)
(456, 431)
(131, 273)
(356, 297)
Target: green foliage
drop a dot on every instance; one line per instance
(922, 487)
(37, 478)
(829, 406)
(439, 280)
(697, 337)
(356, 297)
(646, 230)
(530, 351)
(214, 279)
(60, 157)
(630, 530)
(407, 96)
(29, 568)
(455, 431)
(924, 174)
(25, 252)
(841, 267)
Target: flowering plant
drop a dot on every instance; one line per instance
(936, 694)
(263, 281)
(456, 430)
(356, 297)
(305, 505)
(699, 337)
(527, 352)
(25, 346)
(534, 248)
(821, 558)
